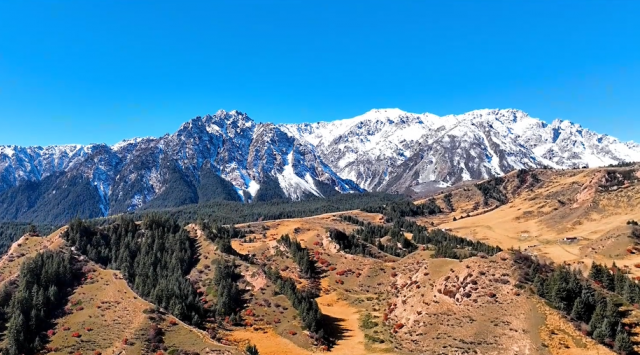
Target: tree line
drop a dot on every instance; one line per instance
(221, 236)
(351, 244)
(154, 257)
(398, 245)
(45, 282)
(12, 231)
(229, 212)
(447, 198)
(303, 301)
(445, 244)
(592, 303)
(300, 255)
(228, 295)
(400, 209)
(492, 190)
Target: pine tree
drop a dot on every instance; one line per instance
(619, 280)
(608, 280)
(607, 331)
(598, 317)
(623, 343)
(539, 284)
(579, 311)
(629, 293)
(251, 350)
(599, 335)
(613, 315)
(595, 273)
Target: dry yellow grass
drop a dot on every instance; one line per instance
(267, 341)
(24, 248)
(352, 342)
(109, 308)
(566, 204)
(561, 338)
(303, 229)
(535, 221)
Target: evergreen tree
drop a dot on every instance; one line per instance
(154, 257)
(540, 285)
(251, 350)
(623, 343)
(30, 308)
(598, 317)
(579, 311)
(606, 333)
(596, 273)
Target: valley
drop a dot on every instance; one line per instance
(378, 280)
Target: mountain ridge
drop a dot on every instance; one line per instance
(497, 141)
(387, 150)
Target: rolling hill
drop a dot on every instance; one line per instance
(393, 281)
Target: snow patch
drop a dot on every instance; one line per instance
(253, 188)
(294, 186)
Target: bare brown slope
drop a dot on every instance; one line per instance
(591, 205)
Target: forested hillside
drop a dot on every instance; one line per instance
(226, 212)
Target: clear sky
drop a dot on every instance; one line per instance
(99, 71)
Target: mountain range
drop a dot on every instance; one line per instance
(228, 156)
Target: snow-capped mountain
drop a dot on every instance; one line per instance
(392, 150)
(229, 156)
(233, 151)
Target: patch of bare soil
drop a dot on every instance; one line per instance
(474, 307)
(588, 191)
(345, 317)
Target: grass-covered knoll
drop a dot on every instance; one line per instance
(12, 231)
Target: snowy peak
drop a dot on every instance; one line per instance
(168, 171)
(377, 149)
(381, 150)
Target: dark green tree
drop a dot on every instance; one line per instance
(623, 343)
(251, 350)
(579, 311)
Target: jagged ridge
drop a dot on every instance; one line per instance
(167, 170)
(382, 150)
(393, 150)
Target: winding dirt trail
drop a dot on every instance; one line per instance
(352, 342)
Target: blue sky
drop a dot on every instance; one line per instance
(100, 71)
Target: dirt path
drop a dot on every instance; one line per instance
(352, 343)
(353, 338)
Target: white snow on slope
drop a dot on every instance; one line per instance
(294, 186)
(365, 147)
